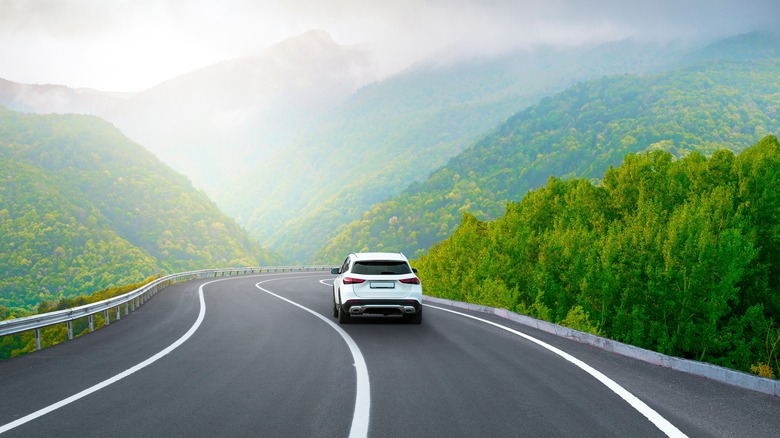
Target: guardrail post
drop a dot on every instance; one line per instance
(108, 319)
(37, 339)
(132, 303)
(127, 309)
(118, 314)
(70, 330)
(91, 323)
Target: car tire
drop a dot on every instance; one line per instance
(335, 308)
(342, 315)
(416, 318)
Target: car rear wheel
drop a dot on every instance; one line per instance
(342, 315)
(416, 318)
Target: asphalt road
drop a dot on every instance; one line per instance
(263, 357)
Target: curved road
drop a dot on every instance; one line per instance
(261, 356)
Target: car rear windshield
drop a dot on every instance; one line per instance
(381, 268)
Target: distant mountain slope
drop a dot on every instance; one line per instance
(83, 208)
(580, 132)
(397, 131)
(47, 99)
(751, 46)
(214, 123)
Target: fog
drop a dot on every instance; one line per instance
(131, 45)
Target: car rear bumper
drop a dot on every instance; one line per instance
(382, 307)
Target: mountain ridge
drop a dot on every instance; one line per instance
(248, 107)
(396, 131)
(578, 133)
(60, 99)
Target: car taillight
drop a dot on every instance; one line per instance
(350, 280)
(413, 280)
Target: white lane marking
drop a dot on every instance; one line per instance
(360, 420)
(326, 280)
(660, 422)
(120, 376)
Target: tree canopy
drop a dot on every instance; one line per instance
(674, 254)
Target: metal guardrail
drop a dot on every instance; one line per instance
(130, 301)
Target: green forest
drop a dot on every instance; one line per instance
(580, 132)
(83, 208)
(677, 253)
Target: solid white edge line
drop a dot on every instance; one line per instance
(360, 417)
(660, 422)
(118, 377)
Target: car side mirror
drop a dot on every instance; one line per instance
(335, 271)
(414, 270)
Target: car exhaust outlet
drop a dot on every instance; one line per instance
(382, 309)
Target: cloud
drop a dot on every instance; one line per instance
(132, 44)
(61, 19)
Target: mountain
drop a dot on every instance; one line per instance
(297, 141)
(214, 123)
(751, 46)
(47, 99)
(83, 208)
(579, 133)
(397, 131)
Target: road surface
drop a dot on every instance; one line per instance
(261, 355)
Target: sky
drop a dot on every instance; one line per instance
(132, 45)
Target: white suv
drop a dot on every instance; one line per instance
(377, 283)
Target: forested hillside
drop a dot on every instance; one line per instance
(83, 208)
(578, 133)
(399, 130)
(678, 255)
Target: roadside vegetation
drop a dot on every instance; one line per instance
(680, 255)
(15, 345)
